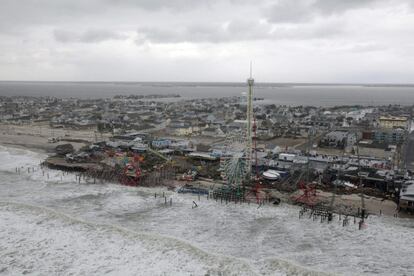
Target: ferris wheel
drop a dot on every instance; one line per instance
(234, 166)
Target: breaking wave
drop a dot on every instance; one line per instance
(216, 264)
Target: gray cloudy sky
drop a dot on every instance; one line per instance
(208, 40)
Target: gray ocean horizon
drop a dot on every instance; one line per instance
(294, 94)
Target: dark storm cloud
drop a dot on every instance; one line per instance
(160, 4)
(192, 28)
(63, 39)
(209, 32)
(16, 15)
(237, 30)
(288, 11)
(89, 36)
(340, 6)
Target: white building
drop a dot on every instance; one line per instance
(407, 197)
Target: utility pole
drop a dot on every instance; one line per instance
(405, 146)
(360, 186)
(308, 147)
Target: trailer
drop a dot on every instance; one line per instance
(287, 157)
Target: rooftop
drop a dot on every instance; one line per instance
(407, 192)
(393, 118)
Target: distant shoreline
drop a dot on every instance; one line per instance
(216, 84)
(288, 94)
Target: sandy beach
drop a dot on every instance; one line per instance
(35, 136)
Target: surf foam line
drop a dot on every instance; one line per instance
(218, 260)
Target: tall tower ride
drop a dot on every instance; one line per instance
(249, 115)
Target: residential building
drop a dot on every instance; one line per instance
(393, 122)
(389, 136)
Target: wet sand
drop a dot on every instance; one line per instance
(35, 137)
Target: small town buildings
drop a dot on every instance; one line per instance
(213, 132)
(338, 139)
(180, 129)
(393, 122)
(161, 143)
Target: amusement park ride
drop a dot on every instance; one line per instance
(308, 196)
(131, 173)
(237, 168)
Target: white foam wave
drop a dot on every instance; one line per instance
(12, 158)
(216, 264)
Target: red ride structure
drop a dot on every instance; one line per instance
(257, 186)
(132, 172)
(308, 196)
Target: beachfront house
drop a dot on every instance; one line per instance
(406, 202)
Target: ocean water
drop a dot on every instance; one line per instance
(52, 225)
(284, 94)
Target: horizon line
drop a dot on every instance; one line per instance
(220, 82)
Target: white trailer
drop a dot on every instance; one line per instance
(287, 157)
